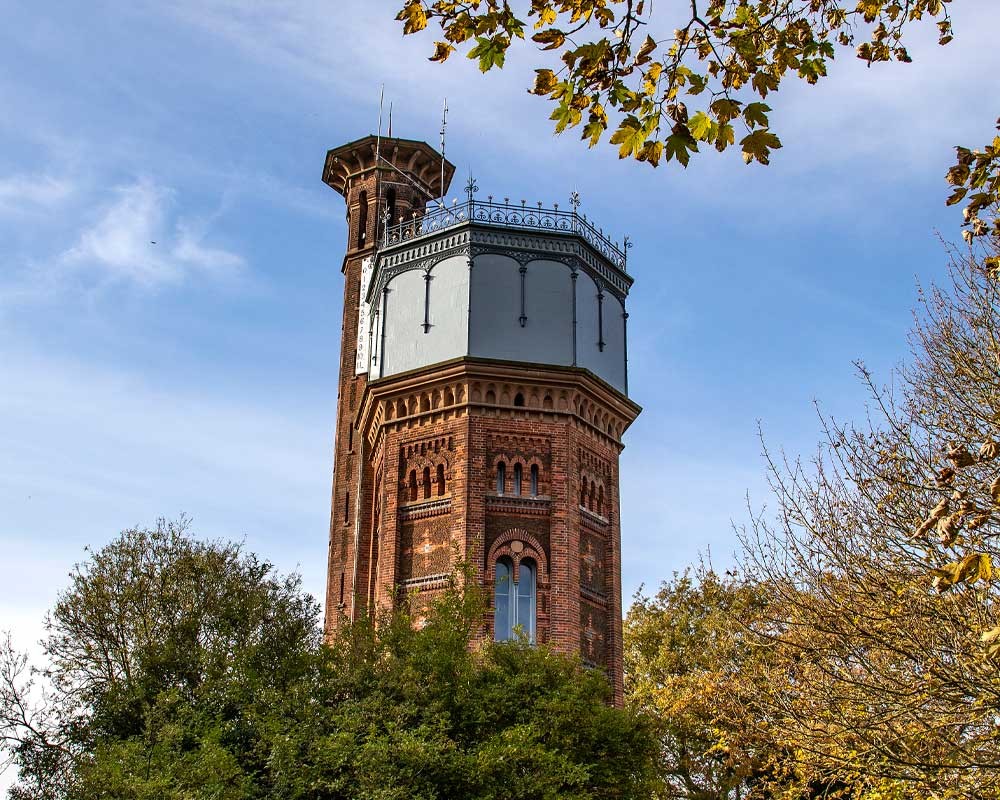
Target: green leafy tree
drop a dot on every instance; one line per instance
(179, 669)
(162, 657)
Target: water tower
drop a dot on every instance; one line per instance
(483, 399)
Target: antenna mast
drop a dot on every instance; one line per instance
(378, 147)
(444, 125)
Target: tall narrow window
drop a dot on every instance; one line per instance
(518, 476)
(427, 483)
(362, 219)
(413, 485)
(534, 480)
(503, 601)
(524, 616)
(501, 477)
(583, 493)
(600, 501)
(514, 602)
(347, 507)
(440, 479)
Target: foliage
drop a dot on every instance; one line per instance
(699, 78)
(881, 562)
(691, 662)
(181, 669)
(414, 711)
(159, 642)
(698, 659)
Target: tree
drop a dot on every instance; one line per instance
(422, 711)
(177, 669)
(698, 659)
(881, 562)
(690, 662)
(700, 77)
(715, 56)
(163, 650)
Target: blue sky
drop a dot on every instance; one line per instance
(198, 374)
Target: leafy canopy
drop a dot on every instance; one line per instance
(178, 669)
(663, 87)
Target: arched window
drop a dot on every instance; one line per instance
(534, 480)
(600, 501)
(413, 485)
(514, 602)
(440, 479)
(362, 219)
(518, 477)
(593, 497)
(583, 493)
(518, 399)
(501, 477)
(427, 483)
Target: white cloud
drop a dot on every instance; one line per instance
(190, 250)
(23, 192)
(132, 241)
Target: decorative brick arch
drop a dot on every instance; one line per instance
(504, 545)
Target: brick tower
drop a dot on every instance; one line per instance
(483, 398)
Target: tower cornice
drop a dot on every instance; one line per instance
(467, 370)
(419, 161)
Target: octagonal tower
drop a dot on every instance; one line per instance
(483, 399)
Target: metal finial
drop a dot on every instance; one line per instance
(471, 187)
(626, 246)
(385, 224)
(574, 200)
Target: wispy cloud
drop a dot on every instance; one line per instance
(27, 192)
(133, 241)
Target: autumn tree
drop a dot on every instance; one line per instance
(695, 73)
(699, 660)
(882, 555)
(692, 662)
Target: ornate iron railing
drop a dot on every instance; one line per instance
(507, 215)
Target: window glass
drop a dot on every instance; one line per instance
(534, 480)
(525, 615)
(501, 476)
(518, 473)
(504, 608)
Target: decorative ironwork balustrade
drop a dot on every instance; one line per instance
(508, 215)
